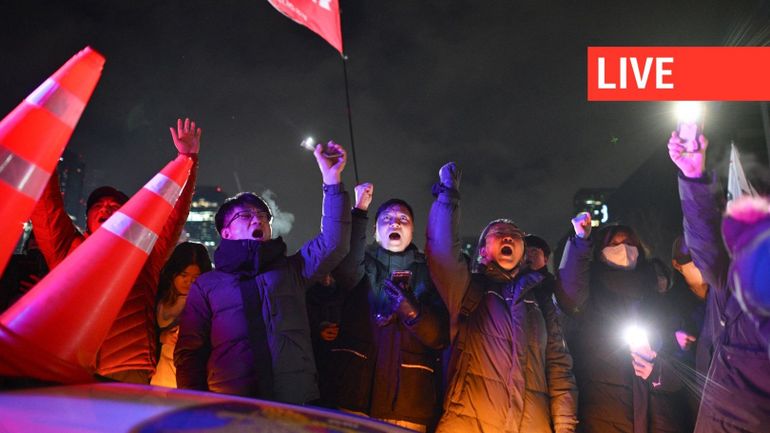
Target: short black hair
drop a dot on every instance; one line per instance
(392, 202)
(240, 199)
(538, 242)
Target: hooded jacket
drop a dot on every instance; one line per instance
(244, 330)
(131, 343)
(510, 370)
(388, 371)
(736, 396)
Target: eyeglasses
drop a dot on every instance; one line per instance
(247, 216)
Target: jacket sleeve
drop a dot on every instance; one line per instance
(702, 218)
(562, 387)
(169, 235)
(349, 273)
(572, 287)
(323, 253)
(193, 346)
(431, 327)
(55, 232)
(448, 267)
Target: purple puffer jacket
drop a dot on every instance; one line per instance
(736, 396)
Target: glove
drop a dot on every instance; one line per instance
(449, 175)
(406, 305)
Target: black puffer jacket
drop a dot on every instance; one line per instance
(602, 302)
(244, 330)
(391, 371)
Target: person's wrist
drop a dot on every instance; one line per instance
(332, 179)
(693, 174)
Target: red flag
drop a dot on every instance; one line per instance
(320, 16)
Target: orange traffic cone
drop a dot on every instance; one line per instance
(54, 331)
(33, 137)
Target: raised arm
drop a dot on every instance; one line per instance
(448, 267)
(186, 139)
(572, 288)
(193, 346)
(323, 253)
(702, 212)
(55, 232)
(349, 273)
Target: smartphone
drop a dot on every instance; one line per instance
(400, 277)
(689, 133)
(310, 144)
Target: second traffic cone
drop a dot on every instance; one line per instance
(33, 137)
(54, 332)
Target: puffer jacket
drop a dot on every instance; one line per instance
(510, 370)
(245, 330)
(391, 371)
(736, 396)
(131, 343)
(602, 302)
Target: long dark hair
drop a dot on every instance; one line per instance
(184, 255)
(605, 234)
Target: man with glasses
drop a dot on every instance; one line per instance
(244, 330)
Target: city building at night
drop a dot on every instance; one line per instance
(200, 225)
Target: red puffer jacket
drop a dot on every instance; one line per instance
(131, 341)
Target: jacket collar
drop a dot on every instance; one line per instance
(248, 256)
(390, 260)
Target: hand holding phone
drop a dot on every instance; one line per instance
(689, 132)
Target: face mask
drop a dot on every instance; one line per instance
(620, 256)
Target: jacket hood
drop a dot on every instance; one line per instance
(247, 256)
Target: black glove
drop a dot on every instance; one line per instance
(402, 297)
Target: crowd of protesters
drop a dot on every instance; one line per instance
(437, 340)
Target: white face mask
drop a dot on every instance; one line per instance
(620, 256)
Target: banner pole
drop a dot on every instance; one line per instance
(350, 116)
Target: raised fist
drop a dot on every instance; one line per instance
(582, 224)
(364, 193)
(449, 175)
(692, 163)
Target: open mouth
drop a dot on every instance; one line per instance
(101, 220)
(394, 237)
(257, 234)
(506, 251)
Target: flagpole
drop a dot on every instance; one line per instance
(350, 116)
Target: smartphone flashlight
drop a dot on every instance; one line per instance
(636, 337)
(689, 124)
(308, 143)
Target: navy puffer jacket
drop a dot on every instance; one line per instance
(244, 330)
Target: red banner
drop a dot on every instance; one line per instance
(678, 73)
(320, 16)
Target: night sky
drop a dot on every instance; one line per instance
(498, 86)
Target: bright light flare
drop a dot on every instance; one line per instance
(689, 111)
(636, 337)
(308, 143)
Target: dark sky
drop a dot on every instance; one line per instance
(498, 86)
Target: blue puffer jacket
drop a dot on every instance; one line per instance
(244, 330)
